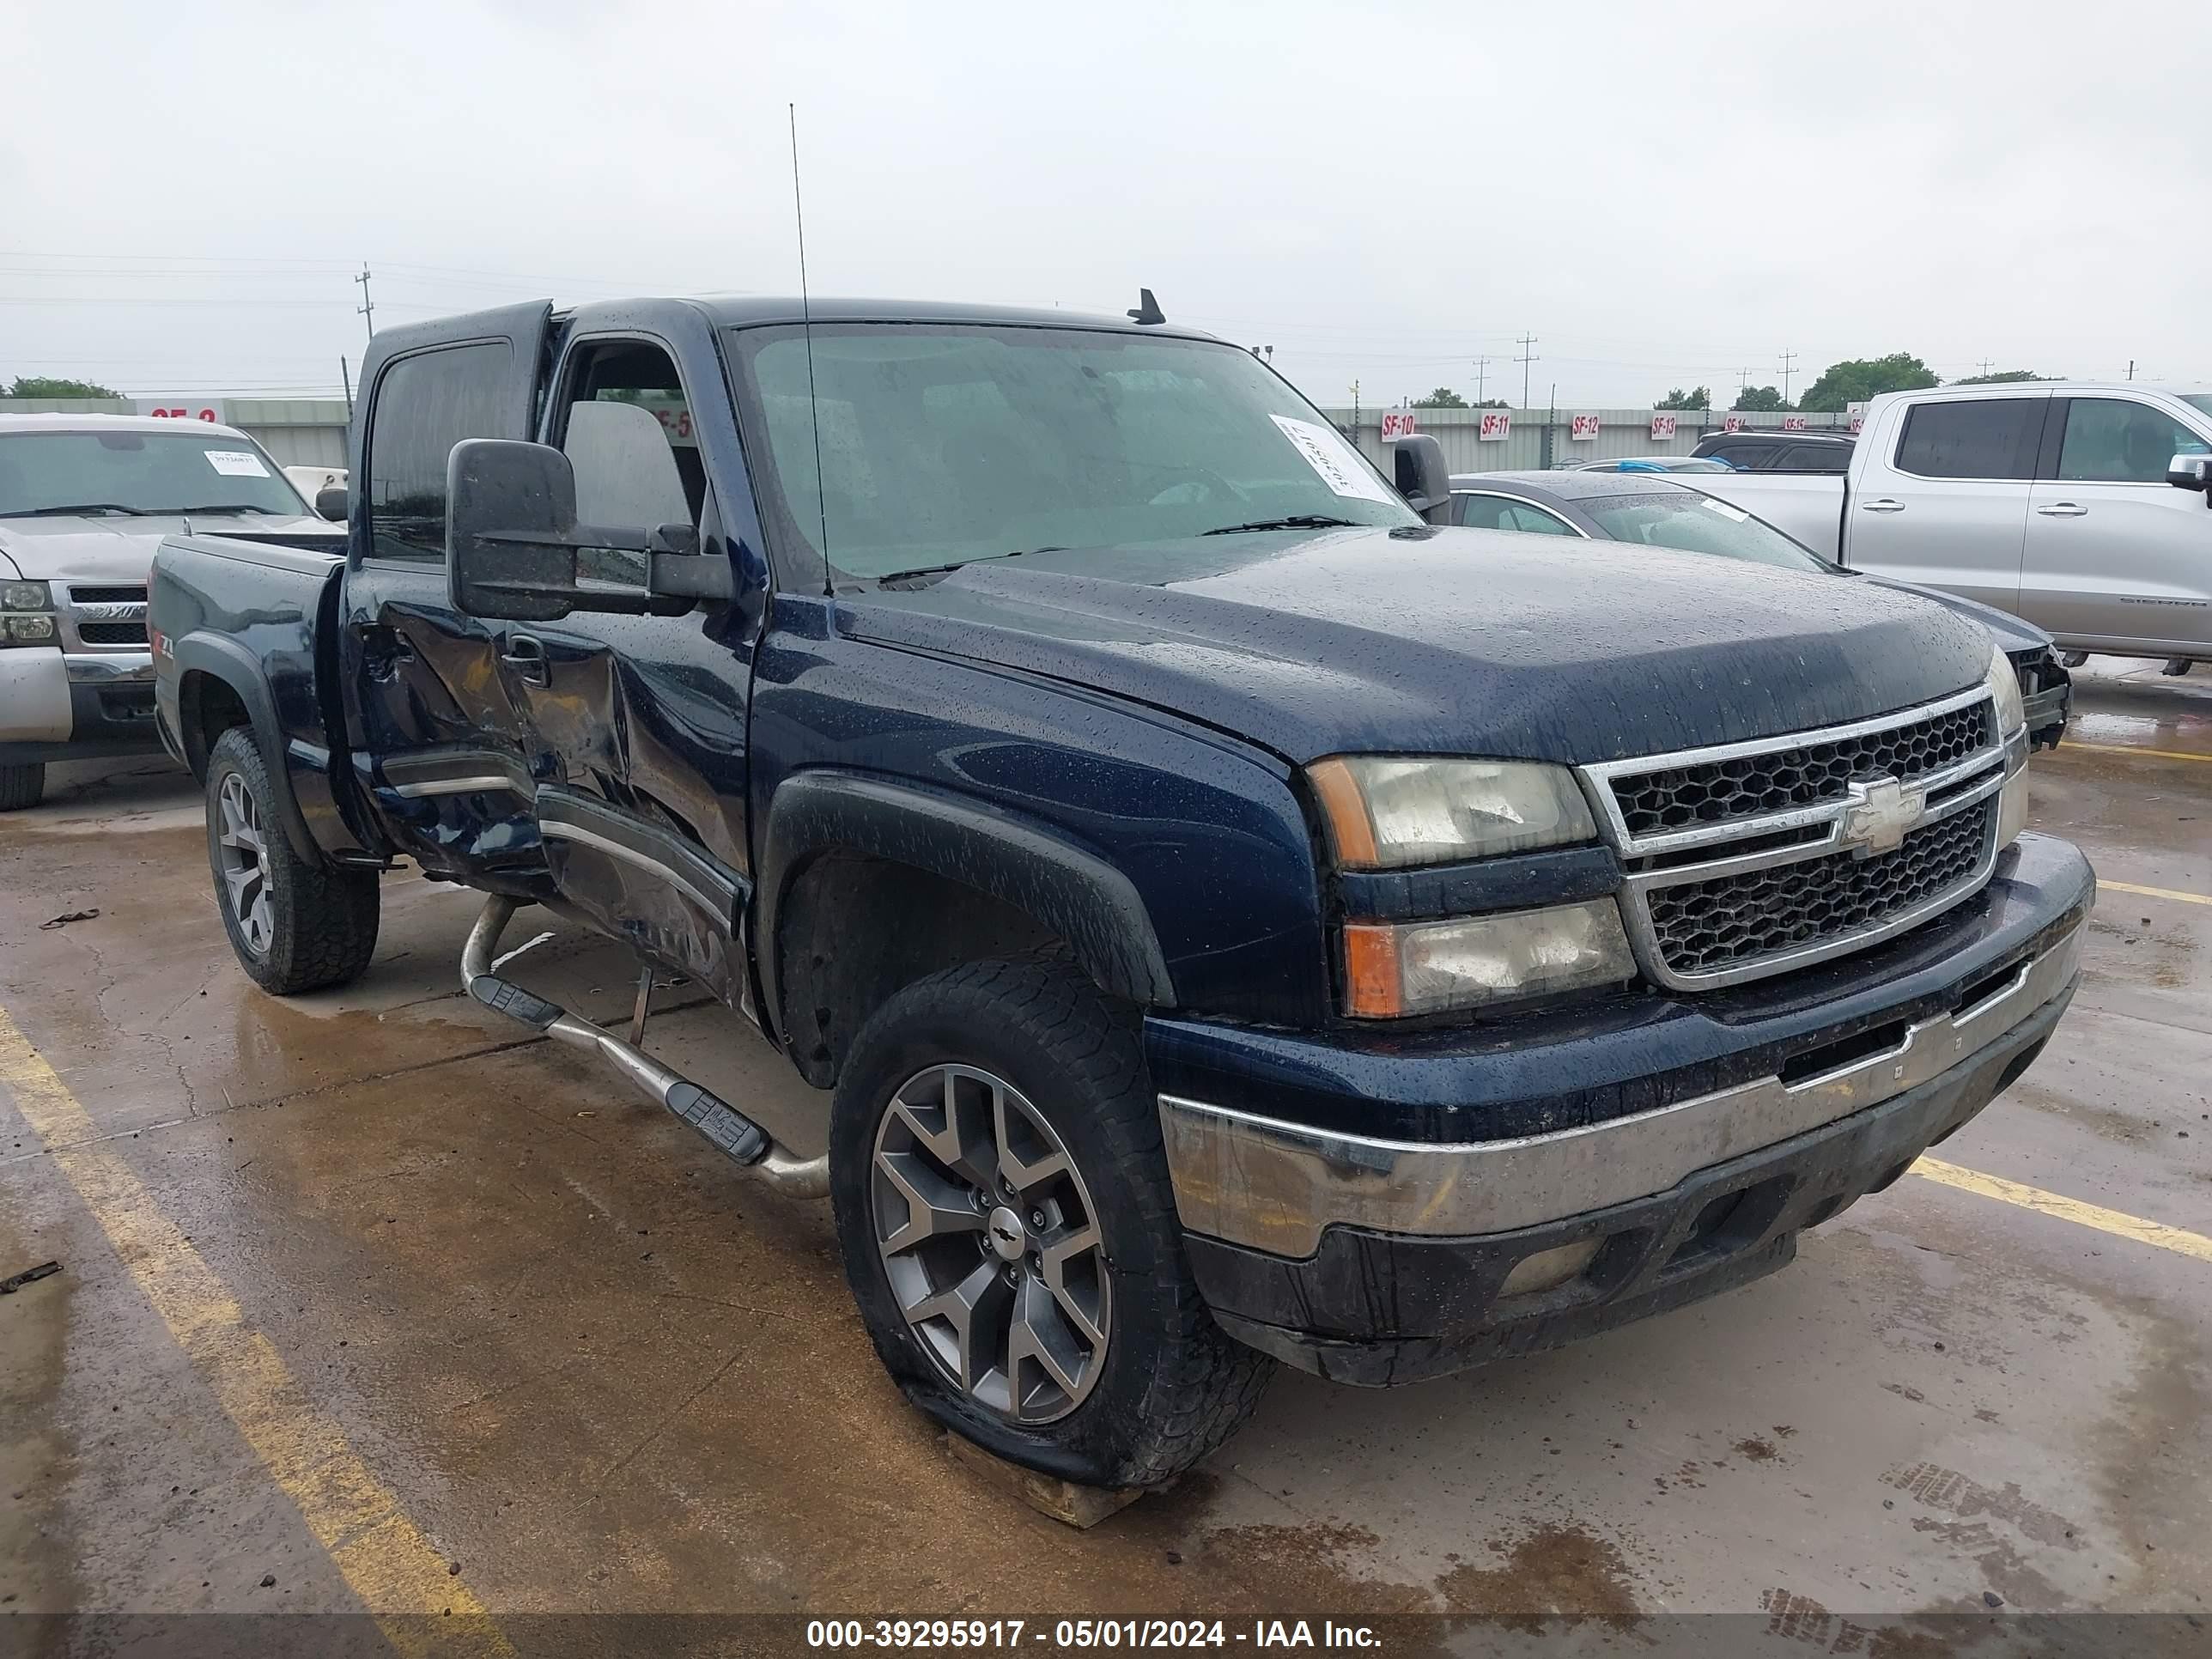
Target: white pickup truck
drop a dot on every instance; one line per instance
(2079, 507)
(84, 501)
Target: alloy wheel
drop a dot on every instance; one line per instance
(991, 1243)
(243, 851)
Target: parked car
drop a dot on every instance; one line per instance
(1648, 463)
(1233, 917)
(84, 499)
(1766, 450)
(1661, 513)
(2057, 502)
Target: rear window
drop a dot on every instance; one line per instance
(122, 474)
(1973, 438)
(1815, 458)
(425, 404)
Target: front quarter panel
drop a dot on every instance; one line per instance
(1205, 829)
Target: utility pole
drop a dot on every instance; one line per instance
(368, 306)
(1987, 364)
(2132, 368)
(345, 376)
(1789, 359)
(1742, 383)
(1482, 374)
(1527, 356)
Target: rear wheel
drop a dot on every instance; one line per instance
(1010, 1232)
(295, 926)
(21, 786)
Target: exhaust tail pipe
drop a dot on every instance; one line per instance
(731, 1131)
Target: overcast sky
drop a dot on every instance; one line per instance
(1662, 195)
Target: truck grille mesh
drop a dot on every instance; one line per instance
(1730, 922)
(1753, 786)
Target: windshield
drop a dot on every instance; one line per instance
(944, 443)
(1691, 523)
(132, 472)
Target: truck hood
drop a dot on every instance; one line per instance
(120, 550)
(1444, 640)
(2010, 631)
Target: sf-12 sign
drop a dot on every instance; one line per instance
(1397, 423)
(1662, 426)
(1583, 429)
(1497, 426)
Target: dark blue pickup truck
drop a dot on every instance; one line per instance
(1234, 916)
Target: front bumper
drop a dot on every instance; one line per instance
(63, 705)
(1380, 1258)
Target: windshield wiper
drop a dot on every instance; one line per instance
(212, 507)
(1295, 521)
(73, 510)
(947, 569)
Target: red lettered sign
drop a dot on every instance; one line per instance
(1733, 423)
(1793, 422)
(1397, 423)
(1497, 426)
(1583, 428)
(1662, 426)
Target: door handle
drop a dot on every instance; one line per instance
(525, 655)
(1885, 504)
(2063, 510)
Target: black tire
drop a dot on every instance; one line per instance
(21, 786)
(319, 927)
(1171, 1386)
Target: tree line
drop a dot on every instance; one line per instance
(1854, 381)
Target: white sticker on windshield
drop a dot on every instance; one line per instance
(1735, 513)
(236, 463)
(1336, 462)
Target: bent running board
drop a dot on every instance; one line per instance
(730, 1130)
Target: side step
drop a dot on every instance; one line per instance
(730, 1130)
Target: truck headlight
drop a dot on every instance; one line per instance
(24, 596)
(1387, 812)
(2003, 682)
(27, 631)
(1395, 969)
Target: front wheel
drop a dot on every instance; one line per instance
(21, 786)
(1010, 1233)
(295, 926)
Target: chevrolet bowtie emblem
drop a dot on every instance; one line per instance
(1881, 812)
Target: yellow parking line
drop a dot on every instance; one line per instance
(2129, 748)
(2178, 897)
(386, 1561)
(2067, 1209)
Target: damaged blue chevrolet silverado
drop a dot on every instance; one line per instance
(1233, 918)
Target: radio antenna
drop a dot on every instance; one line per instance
(806, 326)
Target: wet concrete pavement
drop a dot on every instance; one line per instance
(598, 1370)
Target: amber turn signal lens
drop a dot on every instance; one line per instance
(1373, 989)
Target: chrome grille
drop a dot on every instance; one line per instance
(102, 616)
(1803, 774)
(1752, 859)
(1702, 926)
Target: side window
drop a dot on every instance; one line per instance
(627, 432)
(1815, 458)
(1976, 438)
(425, 404)
(1518, 516)
(2115, 441)
(1482, 511)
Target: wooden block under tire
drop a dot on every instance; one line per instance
(1065, 1501)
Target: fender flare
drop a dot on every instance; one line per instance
(1070, 889)
(231, 663)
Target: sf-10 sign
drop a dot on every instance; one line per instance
(1583, 428)
(1397, 423)
(1662, 426)
(1497, 426)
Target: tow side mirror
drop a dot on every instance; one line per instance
(1420, 474)
(334, 502)
(515, 553)
(2190, 472)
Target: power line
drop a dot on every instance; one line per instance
(1481, 373)
(1788, 362)
(1528, 344)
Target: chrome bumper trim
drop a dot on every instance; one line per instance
(109, 668)
(1274, 1186)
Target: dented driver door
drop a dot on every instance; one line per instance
(636, 725)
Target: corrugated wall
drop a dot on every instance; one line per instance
(1620, 432)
